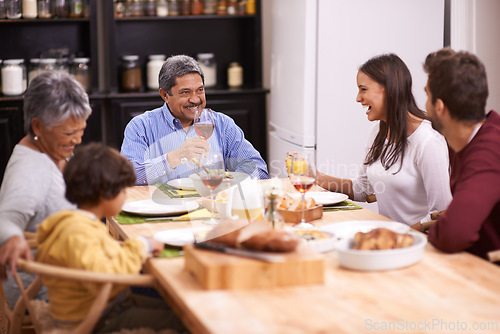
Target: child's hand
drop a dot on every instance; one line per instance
(156, 247)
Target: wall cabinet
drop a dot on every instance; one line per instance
(105, 38)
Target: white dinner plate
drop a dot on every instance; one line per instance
(181, 236)
(348, 229)
(374, 260)
(323, 197)
(150, 208)
(184, 183)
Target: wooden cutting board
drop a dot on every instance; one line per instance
(215, 270)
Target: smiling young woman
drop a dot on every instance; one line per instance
(406, 165)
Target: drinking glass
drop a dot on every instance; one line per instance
(211, 174)
(303, 175)
(204, 123)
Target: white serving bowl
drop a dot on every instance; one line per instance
(375, 260)
(203, 190)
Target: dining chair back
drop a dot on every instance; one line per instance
(107, 281)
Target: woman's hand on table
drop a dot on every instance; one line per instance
(423, 227)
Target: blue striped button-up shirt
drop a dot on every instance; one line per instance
(151, 135)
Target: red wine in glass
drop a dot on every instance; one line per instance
(204, 130)
(212, 181)
(204, 123)
(303, 183)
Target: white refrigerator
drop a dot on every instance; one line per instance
(317, 47)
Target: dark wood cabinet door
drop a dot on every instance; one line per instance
(11, 130)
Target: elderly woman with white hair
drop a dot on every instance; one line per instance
(56, 109)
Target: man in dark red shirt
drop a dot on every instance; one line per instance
(457, 90)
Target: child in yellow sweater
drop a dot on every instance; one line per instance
(96, 179)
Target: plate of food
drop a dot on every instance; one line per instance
(319, 241)
(181, 236)
(183, 184)
(323, 197)
(149, 207)
(376, 245)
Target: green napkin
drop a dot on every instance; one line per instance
(345, 205)
(171, 251)
(176, 192)
(198, 214)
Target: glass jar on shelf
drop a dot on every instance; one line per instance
(47, 64)
(3, 14)
(153, 70)
(196, 7)
(138, 8)
(44, 9)
(173, 8)
(234, 75)
(13, 77)
(209, 7)
(60, 8)
(131, 74)
(29, 9)
(80, 69)
(33, 69)
(75, 8)
(150, 8)
(13, 9)
(162, 8)
(185, 9)
(209, 67)
(221, 7)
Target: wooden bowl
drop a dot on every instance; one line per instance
(313, 213)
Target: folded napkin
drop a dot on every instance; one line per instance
(345, 205)
(127, 218)
(171, 251)
(176, 192)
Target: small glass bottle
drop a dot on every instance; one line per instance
(209, 68)
(75, 8)
(119, 8)
(251, 7)
(44, 9)
(221, 7)
(232, 7)
(185, 9)
(209, 7)
(173, 8)
(13, 9)
(153, 70)
(131, 73)
(150, 9)
(196, 7)
(29, 9)
(80, 69)
(272, 215)
(13, 77)
(162, 8)
(234, 75)
(137, 8)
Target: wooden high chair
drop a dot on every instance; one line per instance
(107, 280)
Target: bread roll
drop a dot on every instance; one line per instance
(381, 238)
(272, 241)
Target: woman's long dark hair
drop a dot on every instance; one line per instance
(391, 72)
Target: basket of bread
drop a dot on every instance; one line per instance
(292, 209)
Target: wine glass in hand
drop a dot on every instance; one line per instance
(303, 175)
(204, 123)
(211, 174)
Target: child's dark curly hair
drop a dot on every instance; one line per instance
(96, 172)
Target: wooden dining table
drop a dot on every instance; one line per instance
(443, 293)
